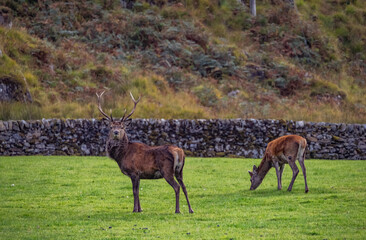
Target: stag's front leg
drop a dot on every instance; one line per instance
(138, 196)
(282, 166)
(135, 188)
(276, 165)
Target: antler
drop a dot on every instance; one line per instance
(133, 110)
(100, 107)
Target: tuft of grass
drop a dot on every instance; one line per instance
(321, 87)
(20, 111)
(208, 95)
(321, 112)
(51, 197)
(10, 69)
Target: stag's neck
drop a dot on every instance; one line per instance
(116, 149)
(264, 167)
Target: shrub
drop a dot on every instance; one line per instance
(327, 89)
(101, 73)
(175, 77)
(207, 95)
(20, 111)
(240, 21)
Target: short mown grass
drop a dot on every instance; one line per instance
(44, 197)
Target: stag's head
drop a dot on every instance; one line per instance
(255, 179)
(118, 125)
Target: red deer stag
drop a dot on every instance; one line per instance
(282, 150)
(139, 161)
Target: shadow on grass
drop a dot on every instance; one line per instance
(129, 216)
(265, 193)
(294, 192)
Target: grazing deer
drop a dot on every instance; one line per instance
(139, 161)
(280, 151)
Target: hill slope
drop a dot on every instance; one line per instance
(188, 59)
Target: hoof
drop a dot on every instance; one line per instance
(191, 211)
(307, 190)
(178, 212)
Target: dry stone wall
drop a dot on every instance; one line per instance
(204, 138)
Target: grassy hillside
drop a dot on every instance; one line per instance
(187, 59)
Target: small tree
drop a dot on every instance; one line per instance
(253, 8)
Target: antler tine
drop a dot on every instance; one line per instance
(124, 114)
(100, 107)
(134, 107)
(133, 99)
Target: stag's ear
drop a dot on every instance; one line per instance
(250, 173)
(255, 168)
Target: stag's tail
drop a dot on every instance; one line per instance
(301, 150)
(178, 155)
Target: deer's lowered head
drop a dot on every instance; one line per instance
(255, 178)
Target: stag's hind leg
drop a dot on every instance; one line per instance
(179, 177)
(169, 177)
(282, 166)
(302, 164)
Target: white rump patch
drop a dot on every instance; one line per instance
(177, 163)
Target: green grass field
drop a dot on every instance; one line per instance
(88, 198)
